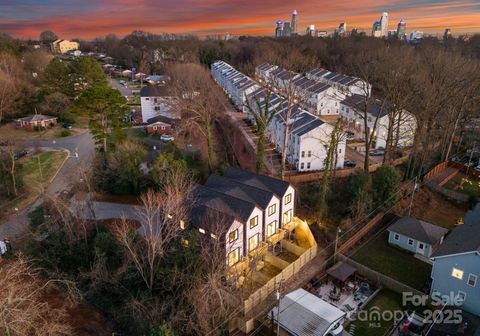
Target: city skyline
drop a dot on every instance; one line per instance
(89, 18)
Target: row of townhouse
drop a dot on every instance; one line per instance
(244, 208)
(316, 97)
(308, 135)
(235, 84)
(323, 92)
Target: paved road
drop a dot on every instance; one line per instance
(125, 91)
(70, 173)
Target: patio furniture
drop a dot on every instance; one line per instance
(350, 308)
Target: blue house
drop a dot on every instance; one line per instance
(456, 264)
(416, 236)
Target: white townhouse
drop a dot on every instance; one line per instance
(317, 97)
(249, 208)
(308, 140)
(347, 85)
(235, 84)
(404, 125)
(156, 102)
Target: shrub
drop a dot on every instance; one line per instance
(65, 133)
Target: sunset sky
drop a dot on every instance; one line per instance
(92, 18)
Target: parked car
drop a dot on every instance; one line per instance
(166, 138)
(350, 135)
(349, 164)
(377, 152)
(67, 125)
(20, 154)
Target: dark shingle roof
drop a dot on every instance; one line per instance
(309, 127)
(276, 186)
(240, 190)
(229, 205)
(418, 230)
(154, 91)
(374, 107)
(464, 238)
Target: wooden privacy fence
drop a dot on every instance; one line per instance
(258, 297)
(358, 235)
(310, 177)
(380, 278)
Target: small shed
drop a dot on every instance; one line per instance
(416, 236)
(341, 271)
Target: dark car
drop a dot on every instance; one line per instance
(67, 125)
(377, 152)
(349, 164)
(20, 154)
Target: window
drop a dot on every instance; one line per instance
(233, 257)
(309, 154)
(461, 296)
(182, 225)
(154, 128)
(308, 165)
(272, 209)
(232, 236)
(410, 242)
(303, 154)
(456, 273)
(339, 150)
(302, 165)
(421, 246)
(288, 199)
(253, 222)
(253, 242)
(201, 230)
(271, 228)
(472, 280)
(147, 98)
(396, 236)
(287, 217)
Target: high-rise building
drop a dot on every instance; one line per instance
(287, 29)
(294, 26)
(376, 29)
(402, 29)
(342, 28)
(447, 34)
(384, 24)
(279, 28)
(311, 30)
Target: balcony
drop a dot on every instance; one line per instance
(276, 237)
(259, 252)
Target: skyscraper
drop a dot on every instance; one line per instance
(384, 24)
(279, 28)
(311, 30)
(287, 29)
(342, 28)
(294, 22)
(376, 29)
(402, 29)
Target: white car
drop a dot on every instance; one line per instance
(166, 137)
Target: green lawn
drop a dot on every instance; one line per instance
(386, 300)
(37, 169)
(470, 185)
(393, 262)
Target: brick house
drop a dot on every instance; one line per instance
(36, 121)
(158, 128)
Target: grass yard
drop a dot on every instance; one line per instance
(469, 185)
(10, 131)
(386, 300)
(395, 263)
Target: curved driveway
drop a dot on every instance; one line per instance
(69, 174)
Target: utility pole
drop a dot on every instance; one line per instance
(277, 294)
(413, 194)
(336, 245)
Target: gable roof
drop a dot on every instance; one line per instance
(37, 117)
(229, 205)
(374, 107)
(464, 238)
(418, 230)
(276, 186)
(154, 91)
(240, 190)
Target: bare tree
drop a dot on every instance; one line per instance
(8, 165)
(162, 218)
(197, 97)
(23, 307)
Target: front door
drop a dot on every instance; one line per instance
(421, 248)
